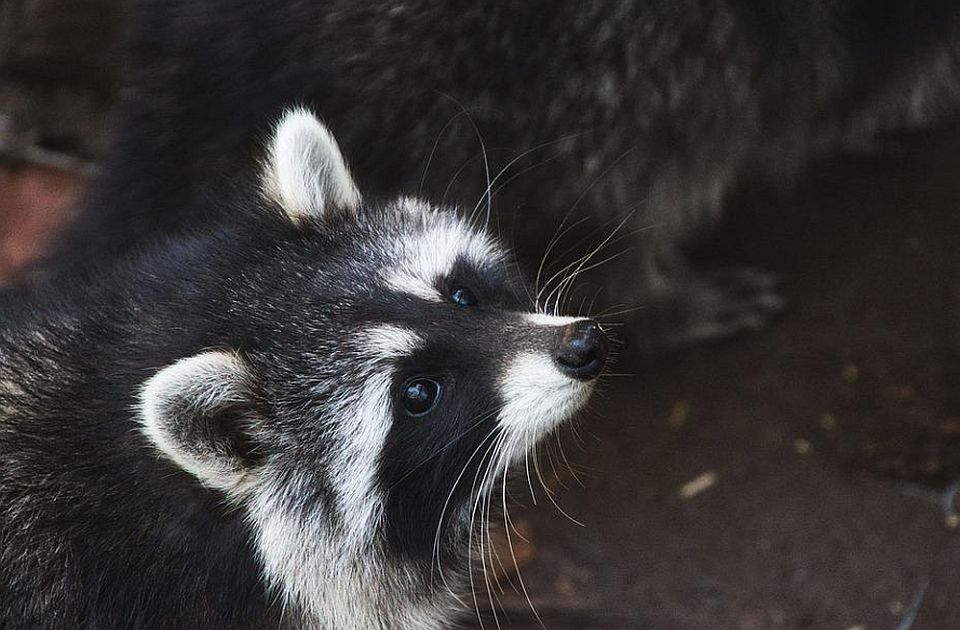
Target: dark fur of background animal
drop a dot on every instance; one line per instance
(643, 112)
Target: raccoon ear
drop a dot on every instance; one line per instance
(199, 412)
(305, 172)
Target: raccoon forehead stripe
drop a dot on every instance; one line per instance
(389, 341)
(432, 254)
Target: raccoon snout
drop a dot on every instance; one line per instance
(582, 352)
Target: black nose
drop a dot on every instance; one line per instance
(583, 350)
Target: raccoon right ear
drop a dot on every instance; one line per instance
(305, 172)
(200, 414)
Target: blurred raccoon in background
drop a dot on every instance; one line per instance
(621, 124)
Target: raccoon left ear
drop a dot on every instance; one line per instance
(305, 172)
(200, 413)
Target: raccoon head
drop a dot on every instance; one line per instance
(393, 370)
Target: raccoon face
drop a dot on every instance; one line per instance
(400, 380)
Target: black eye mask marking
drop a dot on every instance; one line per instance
(490, 286)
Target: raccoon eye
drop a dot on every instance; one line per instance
(420, 395)
(462, 296)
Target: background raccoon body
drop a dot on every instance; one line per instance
(646, 109)
(274, 423)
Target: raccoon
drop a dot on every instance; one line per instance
(571, 117)
(286, 419)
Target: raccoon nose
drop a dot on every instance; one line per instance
(583, 350)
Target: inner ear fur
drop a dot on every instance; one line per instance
(305, 173)
(201, 413)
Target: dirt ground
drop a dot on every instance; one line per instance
(787, 479)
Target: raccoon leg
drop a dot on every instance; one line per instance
(697, 304)
(716, 303)
(690, 303)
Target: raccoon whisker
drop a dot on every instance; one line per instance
(507, 524)
(561, 290)
(576, 204)
(593, 302)
(505, 458)
(480, 420)
(624, 235)
(593, 182)
(492, 551)
(557, 276)
(436, 540)
(486, 173)
(561, 256)
(526, 466)
(456, 176)
(608, 242)
(488, 488)
(575, 432)
(483, 146)
(526, 287)
(513, 177)
(513, 527)
(624, 311)
(552, 460)
(557, 235)
(607, 310)
(549, 494)
(433, 150)
(521, 172)
(470, 531)
(481, 494)
(568, 283)
(578, 244)
(583, 301)
(578, 264)
(519, 157)
(566, 460)
(585, 259)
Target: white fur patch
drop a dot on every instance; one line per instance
(367, 422)
(543, 319)
(364, 416)
(433, 252)
(327, 585)
(390, 342)
(198, 384)
(538, 397)
(305, 172)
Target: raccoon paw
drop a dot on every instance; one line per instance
(717, 303)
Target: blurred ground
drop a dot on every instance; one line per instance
(817, 449)
(33, 201)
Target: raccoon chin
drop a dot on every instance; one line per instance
(539, 397)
